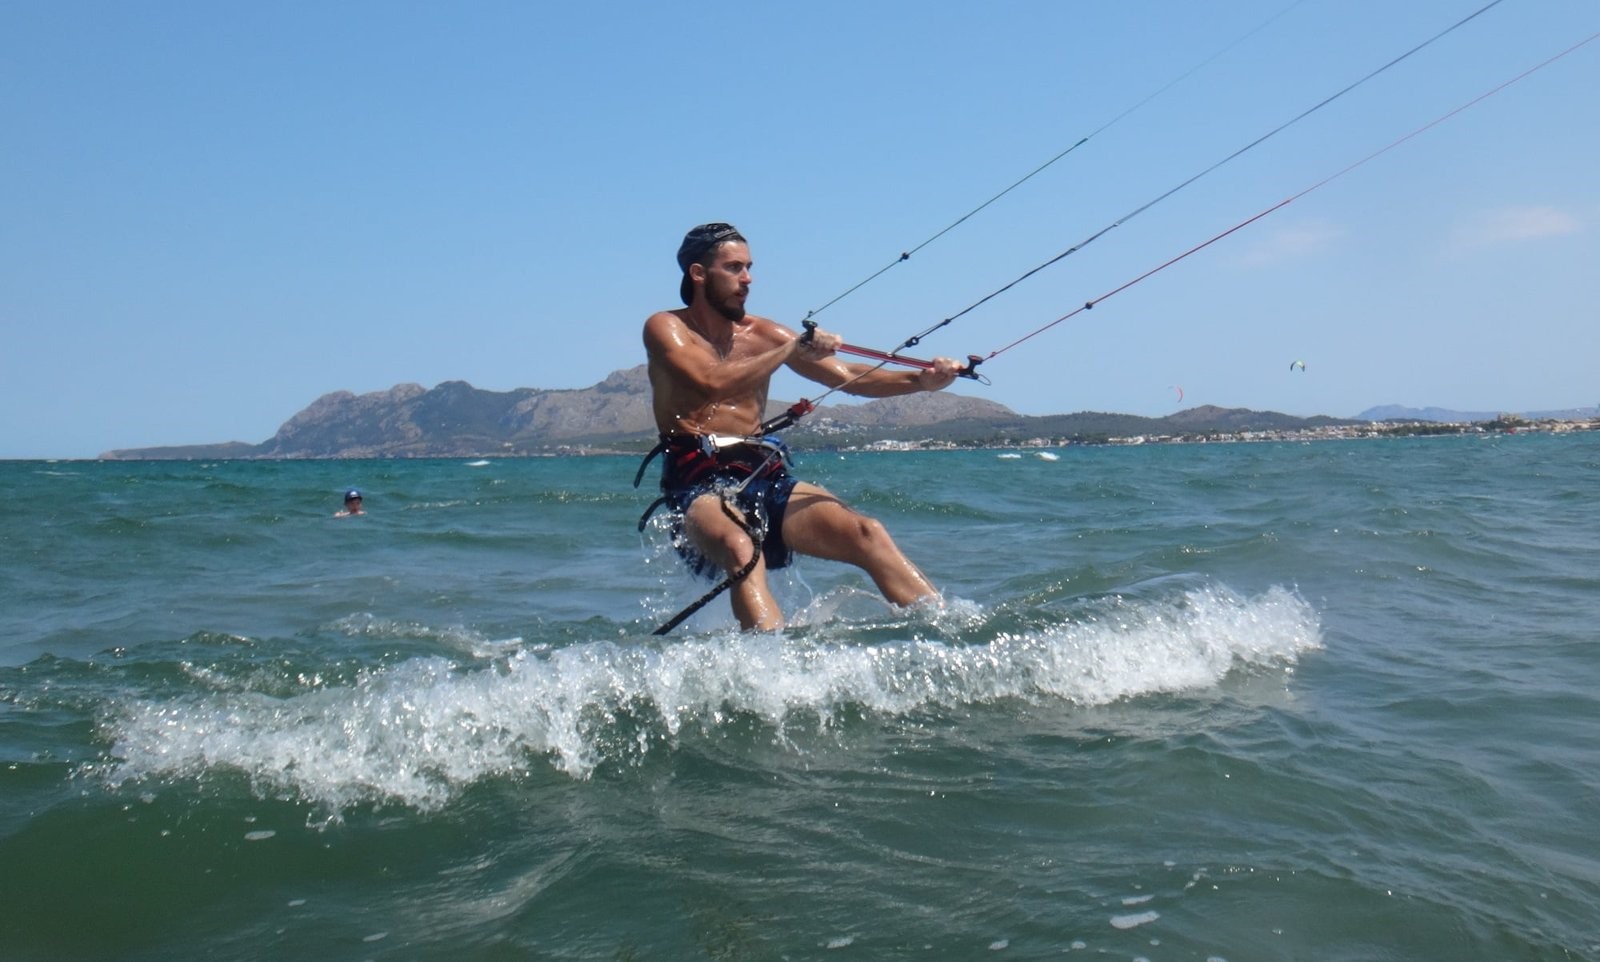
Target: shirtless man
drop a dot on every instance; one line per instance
(710, 366)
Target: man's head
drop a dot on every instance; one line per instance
(697, 247)
(352, 497)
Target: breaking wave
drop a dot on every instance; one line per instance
(419, 731)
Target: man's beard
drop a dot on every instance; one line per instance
(728, 307)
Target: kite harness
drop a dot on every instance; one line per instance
(725, 465)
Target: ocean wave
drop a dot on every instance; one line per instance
(419, 731)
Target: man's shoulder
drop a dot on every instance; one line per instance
(664, 326)
(668, 315)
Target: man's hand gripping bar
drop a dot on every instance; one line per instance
(970, 371)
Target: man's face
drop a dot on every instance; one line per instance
(728, 279)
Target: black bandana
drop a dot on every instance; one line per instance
(694, 246)
(703, 238)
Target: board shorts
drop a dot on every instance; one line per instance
(696, 465)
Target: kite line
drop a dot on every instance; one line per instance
(913, 340)
(1089, 305)
(906, 254)
(895, 356)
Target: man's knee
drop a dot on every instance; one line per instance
(717, 535)
(870, 530)
(870, 537)
(736, 546)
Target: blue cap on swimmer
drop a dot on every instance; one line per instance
(352, 495)
(694, 246)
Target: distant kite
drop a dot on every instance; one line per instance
(1297, 364)
(1179, 389)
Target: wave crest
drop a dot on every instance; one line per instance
(420, 731)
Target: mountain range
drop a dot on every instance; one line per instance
(1396, 412)
(455, 419)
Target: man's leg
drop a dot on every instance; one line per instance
(724, 541)
(817, 523)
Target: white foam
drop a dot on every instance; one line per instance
(419, 731)
(1131, 921)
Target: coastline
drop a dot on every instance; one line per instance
(1340, 432)
(1507, 425)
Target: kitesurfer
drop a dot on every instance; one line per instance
(710, 366)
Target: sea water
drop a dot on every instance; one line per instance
(1331, 701)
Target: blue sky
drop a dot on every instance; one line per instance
(216, 213)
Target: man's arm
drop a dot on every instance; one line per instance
(866, 380)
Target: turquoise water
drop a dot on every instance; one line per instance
(1330, 701)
